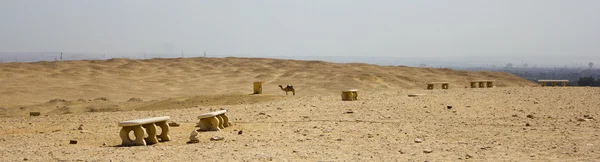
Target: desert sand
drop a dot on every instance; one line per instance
(514, 121)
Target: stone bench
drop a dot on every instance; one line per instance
(214, 121)
(140, 127)
(444, 85)
(350, 95)
(553, 82)
(482, 83)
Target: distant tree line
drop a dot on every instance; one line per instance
(588, 81)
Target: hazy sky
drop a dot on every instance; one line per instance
(305, 27)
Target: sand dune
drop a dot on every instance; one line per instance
(516, 121)
(27, 84)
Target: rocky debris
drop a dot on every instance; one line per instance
(173, 124)
(262, 113)
(101, 99)
(34, 113)
(527, 124)
(468, 156)
(57, 100)
(427, 151)
(349, 112)
(418, 140)
(80, 127)
(73, 142)
(217, 138)
(103, 143)
(240, 132)
(339, 139)
(279, 108)
(449, 107)
(515, 115)
(582, 119)
(530, 116)
(135, 100)
(588, 117)
(193, 138)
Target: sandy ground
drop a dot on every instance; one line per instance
(512, 122)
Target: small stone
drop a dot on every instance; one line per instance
(83, 131)
(468, 156)
(449, 107)
(217, 138)
(279, 108)
(339, 139)
(581, 119)
(25, 159)
(427, 151)
(73, 142)
(262, 113)
(80, 127)
(515, 115)
(349, 112)
(535, 102)
(103, 143)
(173, 124)
(418, 140)
(527, 124)
(424, 106)
(530, 116)
(401, 152)
(193, 138)
(240, 132)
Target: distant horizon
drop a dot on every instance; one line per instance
(415, 61)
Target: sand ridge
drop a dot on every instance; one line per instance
(32, 84)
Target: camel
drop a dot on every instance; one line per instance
(287, 89)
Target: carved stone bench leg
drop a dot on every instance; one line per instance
(151, 131)
(429, 86)
(473, 84)
(490, 84)
(139, 133)
(444, 86)
(553, 84)
(226, 122)
(221, 122)
(164, 134)
(481, 85)
(209, 124)
(355, 95)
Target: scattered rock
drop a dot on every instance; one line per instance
(173, 124)
(217, 138)
(535, 102)
(349, 112)
(103, 143)
(193, 138)
(468, 156)
(427, 151)
(418, 140)
(401, 152)
(527, 124)
(80, 127)
(25, 159)
(588, 117)
(424, 106)
(101, 99)
(135, 100)
(339, 139)
(34, 113)
(279, 108)
(83, 131)
(581, 119)
(515, 115)
(73, 142)
(449, 107)
(530, 116)
(240, 132)
(262, 113)
(57, 100)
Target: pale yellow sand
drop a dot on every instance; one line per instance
(483, 124)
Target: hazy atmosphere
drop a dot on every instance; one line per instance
(498, 32)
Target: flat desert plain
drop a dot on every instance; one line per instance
(514, 121)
